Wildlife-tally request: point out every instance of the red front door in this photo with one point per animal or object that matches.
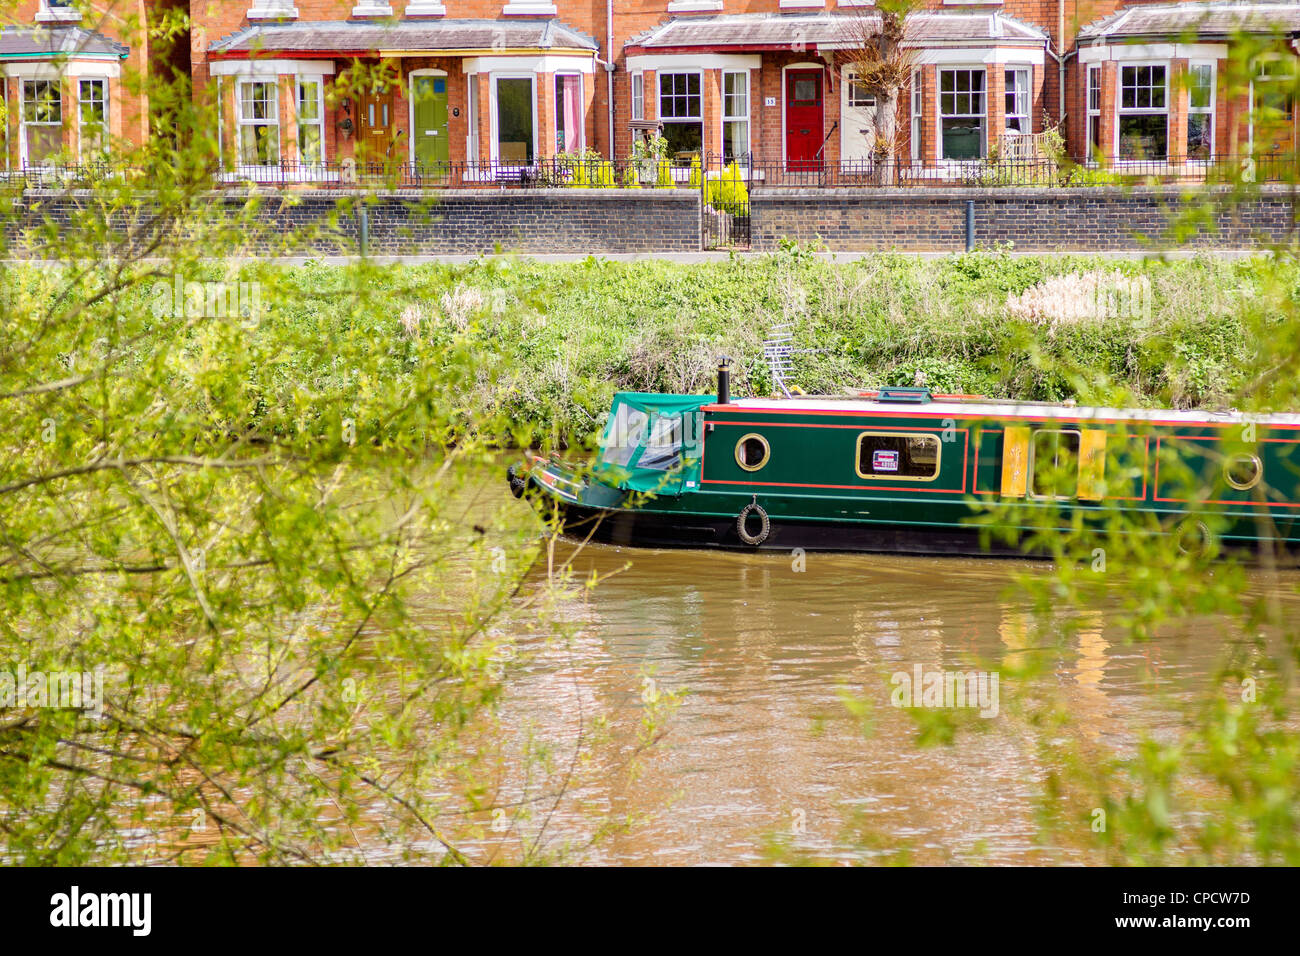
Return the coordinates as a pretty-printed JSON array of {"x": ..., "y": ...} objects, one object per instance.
[{"x": 803, "y": 118}]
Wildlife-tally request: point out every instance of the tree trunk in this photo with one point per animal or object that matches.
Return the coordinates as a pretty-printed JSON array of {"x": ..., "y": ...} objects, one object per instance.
[{"x": 885, "y": 171}]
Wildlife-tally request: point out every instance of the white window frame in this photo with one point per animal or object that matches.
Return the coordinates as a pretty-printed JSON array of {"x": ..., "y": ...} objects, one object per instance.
[
  {"x": 1091, "y": 111},
  {"x": 472, "y": 108},
  {"x": 735, "y": 117},
  {"x": 582, "y": 110},
  {"x": 494, "y": 146},
  {"x": 638, "y": 94},
  {"x": 940, "y": 116},
  {"x": 528, "y": 8},
  {"x": 106, "y": 125},
  {"x": 241, "y": 121},
  {"x": 680, "y": 120},
  {"x": 47, "y": 12},
  {"x": 272, "y": 10},
  {"x": 23, "y": 123},
  {"x": 1210, "y": 110},
  {"x": 319, "y": 122},
  {"x": 851, "y": 79},
  {"x": 1023, "y": 99},
  {"x": 918, "y": 113},
  {"x": 1121, "y": 111}
]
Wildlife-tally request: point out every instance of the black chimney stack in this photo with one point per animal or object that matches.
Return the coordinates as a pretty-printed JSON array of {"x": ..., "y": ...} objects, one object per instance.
[{"x": 724, "y": 380}]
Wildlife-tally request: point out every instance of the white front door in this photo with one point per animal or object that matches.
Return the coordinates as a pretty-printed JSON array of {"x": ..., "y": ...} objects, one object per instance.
[{"x": 857, "y": 134}]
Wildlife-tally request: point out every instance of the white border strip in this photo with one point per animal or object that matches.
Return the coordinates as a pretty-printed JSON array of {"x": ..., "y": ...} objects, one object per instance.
[
  {"x": 1154, "y": 51},
  {"x": 693, "y": 61},
  {"x": 322, "y": 67}
]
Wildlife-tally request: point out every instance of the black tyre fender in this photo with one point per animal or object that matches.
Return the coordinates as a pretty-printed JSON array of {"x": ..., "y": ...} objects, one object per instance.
[
  {"x": 517, "y": 481},
  {"x": 753, "y": 539},
  {"x": 1196, "y": 539}
]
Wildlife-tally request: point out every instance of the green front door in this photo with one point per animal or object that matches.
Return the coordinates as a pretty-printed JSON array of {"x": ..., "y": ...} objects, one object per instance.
[{"x": 430, "y": 133}]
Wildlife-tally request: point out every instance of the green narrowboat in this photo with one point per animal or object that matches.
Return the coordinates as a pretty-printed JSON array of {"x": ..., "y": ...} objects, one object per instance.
[{"x": 903, "y": 470}]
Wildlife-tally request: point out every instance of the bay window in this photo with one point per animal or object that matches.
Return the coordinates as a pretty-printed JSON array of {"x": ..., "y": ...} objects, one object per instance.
[
  {"x": 1016, "y": 109},
  {"x": 961, "y": 113},
  {"x": 471, "y": 138},
  {"x": 638, "y": 96},
  {"x": 258, "y": 119},
  {"x": 42, "y": 121},
  {"x": 92, "y": 116},
  {"x": 311, "y": 117},
  {"x": 735, "y": 116},
  {"x": 1143, "y": 112},
  {"x": 515, "y": 120},
  {"x": 1200, "y": 111},
  {"x": 1094, "y": 112},
  {"x": 568, "y": 113},
  {"x": 918, "y": 100},
  {"x": 680, "y": 111}
]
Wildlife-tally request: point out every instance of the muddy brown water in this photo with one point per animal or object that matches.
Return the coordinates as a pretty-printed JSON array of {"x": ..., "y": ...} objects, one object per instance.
[{"x": 761, "y": 749}]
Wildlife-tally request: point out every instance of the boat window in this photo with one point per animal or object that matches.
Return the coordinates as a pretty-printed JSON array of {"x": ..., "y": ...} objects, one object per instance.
[
  {"x": 663, "y": 445},
  {"x": 1054, "y": 463},
  {"x": 898, "y": 455},
  {"x": 752, "y": 452},
  {"x": 1243, "y": 472},
  {"x": 621, "y": 440}
]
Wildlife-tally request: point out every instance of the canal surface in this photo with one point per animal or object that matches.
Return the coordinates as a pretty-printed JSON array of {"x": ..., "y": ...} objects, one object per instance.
[{"x": 760, "y": 756}]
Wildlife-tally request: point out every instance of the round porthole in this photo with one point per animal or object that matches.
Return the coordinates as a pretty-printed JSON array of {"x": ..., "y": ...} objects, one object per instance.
[
  {"x": 752, "y": 452},
  {"x": 1243, "y": 472}
]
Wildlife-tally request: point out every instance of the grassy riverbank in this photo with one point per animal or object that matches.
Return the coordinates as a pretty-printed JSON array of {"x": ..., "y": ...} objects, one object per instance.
[
  {"x": 572, "y": 334},
  {"x": 552, "y": 342}
]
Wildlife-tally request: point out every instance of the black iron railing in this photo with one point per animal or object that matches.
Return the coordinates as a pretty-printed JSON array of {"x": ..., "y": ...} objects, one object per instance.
[
  {"x": 718, "y": 178},
  {"x": 758, "y": 171},
  {"x": 549, "y": 172}
]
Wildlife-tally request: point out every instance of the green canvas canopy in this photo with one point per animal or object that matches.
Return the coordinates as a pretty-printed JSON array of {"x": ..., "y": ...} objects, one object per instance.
[{"x": 653, "y": 443}]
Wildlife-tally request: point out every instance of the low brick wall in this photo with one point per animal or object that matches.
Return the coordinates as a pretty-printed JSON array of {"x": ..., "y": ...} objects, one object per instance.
[
  {"x": 453, "y": 222},
  {"x": 595, "y": 221},
  {"x": 1034, "y": 219},
  {"x": 650, "y": 221}
]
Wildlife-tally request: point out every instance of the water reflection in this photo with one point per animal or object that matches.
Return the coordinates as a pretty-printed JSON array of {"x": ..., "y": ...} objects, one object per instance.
[{"x": 762, "y": 744}]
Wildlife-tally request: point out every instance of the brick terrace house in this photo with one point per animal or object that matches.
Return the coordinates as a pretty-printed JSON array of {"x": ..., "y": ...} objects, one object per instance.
[
  {"x": 1126, "y": 82},
  {"x": 509, "y": 81},
  {"x": 470, "y": 80},
  {"x": 506, "y": 83},
  {"x": 69, "y": 71},
  {"x": 1154, "y": 82}
]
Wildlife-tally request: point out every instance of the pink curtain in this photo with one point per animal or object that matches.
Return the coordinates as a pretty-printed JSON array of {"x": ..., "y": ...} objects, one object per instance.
[{"x": 568, "y": 86}]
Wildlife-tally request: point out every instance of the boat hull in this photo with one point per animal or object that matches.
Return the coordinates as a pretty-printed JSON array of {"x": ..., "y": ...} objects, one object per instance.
[{"x": 660, "y": 530}]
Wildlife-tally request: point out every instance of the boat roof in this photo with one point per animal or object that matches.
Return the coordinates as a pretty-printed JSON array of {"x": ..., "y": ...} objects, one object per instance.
[{"x": 985, "y": 408}]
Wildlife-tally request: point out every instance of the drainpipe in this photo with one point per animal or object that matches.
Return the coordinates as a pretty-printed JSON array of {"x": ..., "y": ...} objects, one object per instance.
[
  {"x": 1060, "y": 61},
  {"x": 609, "y": 70}
]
